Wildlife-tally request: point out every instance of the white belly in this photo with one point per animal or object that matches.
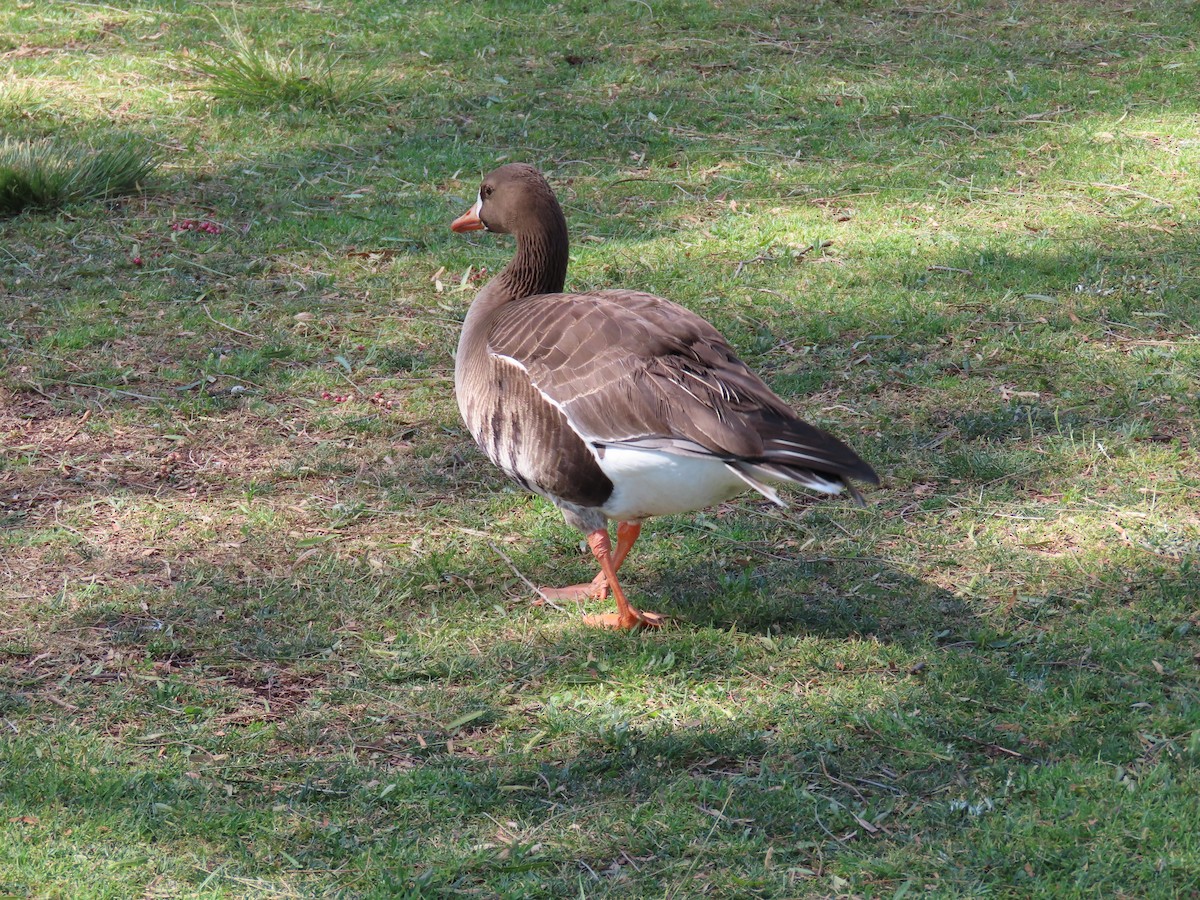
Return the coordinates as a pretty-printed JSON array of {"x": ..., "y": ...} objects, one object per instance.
[{"x": 657, "y": 483}]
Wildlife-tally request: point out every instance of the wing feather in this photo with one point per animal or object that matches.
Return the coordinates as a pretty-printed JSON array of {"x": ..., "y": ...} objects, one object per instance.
[{"x": 631, "y": 368}]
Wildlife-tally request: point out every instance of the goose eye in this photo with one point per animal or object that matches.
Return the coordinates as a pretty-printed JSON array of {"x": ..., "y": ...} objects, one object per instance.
[{"x": 485, "y": 191}]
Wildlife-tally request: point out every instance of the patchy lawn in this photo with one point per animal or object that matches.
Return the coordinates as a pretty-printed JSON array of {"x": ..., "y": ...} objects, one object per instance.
[{"x": 266, "y": 628}]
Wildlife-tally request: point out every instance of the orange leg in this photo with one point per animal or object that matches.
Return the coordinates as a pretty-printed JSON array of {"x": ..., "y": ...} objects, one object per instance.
[
  {"x": 627, "y": 534},
  {"x": 597, "y": 588},
  {"x": 627, "y": 615}
]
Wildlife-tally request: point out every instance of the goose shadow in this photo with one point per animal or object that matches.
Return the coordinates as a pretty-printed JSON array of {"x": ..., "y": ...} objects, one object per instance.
[{"x": 826, "y": 597}]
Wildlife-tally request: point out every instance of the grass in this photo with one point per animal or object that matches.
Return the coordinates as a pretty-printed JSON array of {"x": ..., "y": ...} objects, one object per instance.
[
  {"x": 43, "y": 175},
  {"x": 245, "y": 73},
  {"x": 257, "y": 641}
]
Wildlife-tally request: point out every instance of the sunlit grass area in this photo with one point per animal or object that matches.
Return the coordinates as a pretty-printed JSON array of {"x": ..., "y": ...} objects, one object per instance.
[
  {"x": 266, "y": 627},
  {"x": 240, "y": 71}
]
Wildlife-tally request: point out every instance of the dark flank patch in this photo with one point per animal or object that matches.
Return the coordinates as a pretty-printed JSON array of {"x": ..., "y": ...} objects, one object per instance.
[{"x": 533, "y": 443}]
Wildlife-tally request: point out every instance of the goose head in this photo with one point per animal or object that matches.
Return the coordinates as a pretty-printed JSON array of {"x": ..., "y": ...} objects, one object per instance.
[{"x": 514, "y": 199}]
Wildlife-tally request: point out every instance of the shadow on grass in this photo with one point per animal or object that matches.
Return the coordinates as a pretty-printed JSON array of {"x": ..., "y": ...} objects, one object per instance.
[
  {"x": 584, "y": 762},
  {"x": 863, "y": 706},
  {"x": 834, "y": 599}
]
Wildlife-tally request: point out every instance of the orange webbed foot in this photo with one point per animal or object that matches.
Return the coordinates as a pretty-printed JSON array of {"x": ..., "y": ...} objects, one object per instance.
[
  {"x": 617, "y": 622},
  {"x": 596, "y": 589}
]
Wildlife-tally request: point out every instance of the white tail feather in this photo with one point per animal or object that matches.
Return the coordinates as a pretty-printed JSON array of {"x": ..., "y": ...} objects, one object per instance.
[
  {"x": 805, "y": 478},
  {"x": 765, "y": 489}
]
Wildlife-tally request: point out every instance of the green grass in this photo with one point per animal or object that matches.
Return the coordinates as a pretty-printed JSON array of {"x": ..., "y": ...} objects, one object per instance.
[
  {"x": 259, "y": 642},
  {"x": 250, "y": 75},
  {"x": 44, "y": 175}
]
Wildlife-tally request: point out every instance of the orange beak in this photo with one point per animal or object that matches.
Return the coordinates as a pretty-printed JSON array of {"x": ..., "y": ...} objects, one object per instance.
[{"x": 468, "y": 221}]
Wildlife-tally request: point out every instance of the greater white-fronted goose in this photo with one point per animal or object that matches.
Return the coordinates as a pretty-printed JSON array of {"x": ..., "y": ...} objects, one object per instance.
[{"x": 616, "y": 405}]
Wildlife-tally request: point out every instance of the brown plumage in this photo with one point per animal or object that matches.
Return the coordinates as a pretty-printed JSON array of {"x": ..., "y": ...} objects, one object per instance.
[{"x": 616, "y": 404}]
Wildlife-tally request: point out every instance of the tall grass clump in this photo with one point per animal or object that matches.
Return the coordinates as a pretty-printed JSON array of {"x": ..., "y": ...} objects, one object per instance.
[
  {"x": 243, "y": 72},
  {"x": 47, "y": 174}
]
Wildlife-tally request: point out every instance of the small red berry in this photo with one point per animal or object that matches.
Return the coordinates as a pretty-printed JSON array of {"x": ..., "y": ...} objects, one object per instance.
[{"x": 137, "y": 260}]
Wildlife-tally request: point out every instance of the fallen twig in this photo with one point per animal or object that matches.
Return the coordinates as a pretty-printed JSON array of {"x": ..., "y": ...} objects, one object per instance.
[
  {"x": 533, "y": 587},
  {"x": 229, "y": 327}
]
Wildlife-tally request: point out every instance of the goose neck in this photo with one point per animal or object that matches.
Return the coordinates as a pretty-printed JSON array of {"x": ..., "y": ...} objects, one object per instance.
[{"x": 540, "y": 264}]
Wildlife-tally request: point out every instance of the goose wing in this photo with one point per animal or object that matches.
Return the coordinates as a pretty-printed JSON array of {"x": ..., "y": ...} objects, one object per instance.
[{"x": 634, "y": 369}]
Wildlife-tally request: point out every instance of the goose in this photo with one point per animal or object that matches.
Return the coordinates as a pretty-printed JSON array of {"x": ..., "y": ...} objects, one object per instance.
[{"x": 616, "y": 405}]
